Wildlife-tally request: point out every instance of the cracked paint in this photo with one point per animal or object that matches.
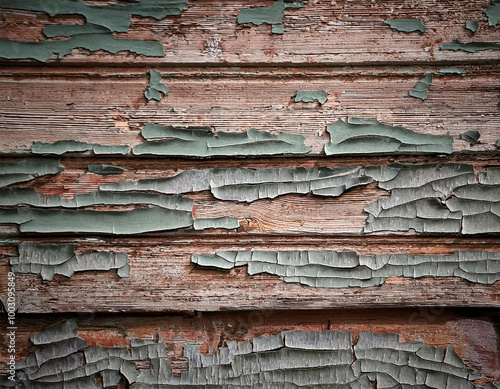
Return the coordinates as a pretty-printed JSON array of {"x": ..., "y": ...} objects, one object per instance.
[{"x": 287, "y": 359}]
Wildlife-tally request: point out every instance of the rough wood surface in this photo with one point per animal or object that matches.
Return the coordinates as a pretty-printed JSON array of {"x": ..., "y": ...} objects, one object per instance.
[
  {"x": 286, "y": 214},
  {"x": 317, "y": 33},
  {"x": 471, "y": 333},
  {"x": 236, "y": 77},
  {"x": 163, "y": 279},
  {"x": 109, "y": 107}
]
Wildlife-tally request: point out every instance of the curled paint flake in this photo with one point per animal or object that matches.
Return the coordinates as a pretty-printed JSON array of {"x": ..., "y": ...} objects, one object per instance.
[
  {"x": 470, "y": 136},
  {"x": 368, "y": 136},
  {"x": 421, "y": 90},
  {"x": 155, "y": 86}
]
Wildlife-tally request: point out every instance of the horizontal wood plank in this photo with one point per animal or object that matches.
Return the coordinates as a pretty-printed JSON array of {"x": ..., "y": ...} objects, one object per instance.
[
  {"x": 163, "y": 278},
  {"x": 471, "y": 333},
  {"x": 339, "y": 32},
  {"x": 111, "y": 109}
]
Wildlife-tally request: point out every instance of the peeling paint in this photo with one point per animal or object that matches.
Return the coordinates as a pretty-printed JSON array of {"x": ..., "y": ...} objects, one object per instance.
[
  {"x": 369, "y": 136},
  {"x": 67, "y": 30},
  {"x": 310, "y": 359},
  {"x": 27, "y": 170},
  {"x": 50, "y": 259},
  {"x": 226, "y": 222},
  {"x": 443, "y": 198},
  {"x": 420, "y": 195},
  {"x": 342, "y": 269},
  {"x": 96, "y": 34},
  {"x": 104, "y": 169},
  {"x": 204, "y": 142},
  {"x": 155, "y": 86},
  {"x": 272, "y": 14},
  {"x": 493, "y": 13},
  {"x": 29, "y": 196},
  {"x": 406, "y": 25},
  {"x": 135, "y": 221},
  {"x": 445, "y": 71},
  {"x": 470, "y": 47},
  {"x": 472, "y": 25},
  {"x": 470, "y": 136},
  {"x": 116, "y": 18},
  {"x": 44, "y": 50},
  {"x": 247, "y": 185},
  {"x": 309, "y": 96},
  {"x": 421, "y": 90},
  {"x": 69, "y": 146}
]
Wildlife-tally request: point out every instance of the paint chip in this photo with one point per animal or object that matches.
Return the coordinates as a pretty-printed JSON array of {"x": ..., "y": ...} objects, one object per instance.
[
  {"x": 470, "y": 136},
  {"x": 272, "y": 14},
  {"x": 470, "y": 47},
  {"x": 309, "y": 96},
  {"x": 104, "y": 169},
  {"x": 369, "y": 136},
  {"x": 155, "y": 86},
  {"x": 406, "y": 25},
  {"x": 472, "y": 25},
  {"x": 421, "y": 90}
]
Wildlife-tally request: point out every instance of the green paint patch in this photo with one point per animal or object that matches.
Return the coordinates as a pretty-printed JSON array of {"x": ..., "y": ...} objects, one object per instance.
[
  {"x": 470, "y": 47},
  {"x": 104, "y": 169},
  {"x": 44, "y": 50},
  {"x": 406, "y": 25},
  {"x": 248, "y": 185},
  {"x": 493, "y": 13},
  {"x": 89, "y": 221},
  {"x": 115, "y": 18},
  {"x": 225, "y": 222},
  {"x": 95, "y": 35},
  {"x": 155, "y": 86},
  {"x": 342, "y": 269},
  {"x": 472, "y": 25},
  {"x": 470, "y": 136},
  {"x": 368, "y": 136},
  {"x": 309, "y": 96},
  {"x": 67, "y": 30},
  {"x": 497, "y": 144},
  {"x": 204, "y": 142},
  {"x": 311, "y": 359},
  {"x": 443, "y": 198},
  {"x": 27, "y": 170},
  {"x": 50, "y": 259},
  {"x": 446, "y": 71},
  {"x": 421, "y": 90},
  {"x": 71, "y": 146},
  {"x": 272, "y": 14}
]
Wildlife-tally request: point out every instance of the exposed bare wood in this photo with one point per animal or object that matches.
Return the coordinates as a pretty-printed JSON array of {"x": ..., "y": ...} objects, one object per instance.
[
  {"x": 317, "y": 33},
  {"x": 163, "y": 279},
  {"x": 471, "y": 333},
  {"x": 112, "y": 110}
]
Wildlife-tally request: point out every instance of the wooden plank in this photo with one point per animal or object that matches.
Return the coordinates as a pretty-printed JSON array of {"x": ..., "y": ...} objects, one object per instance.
[
  {"x": 323, "y": 32},
  {"x": 163, "y": 278},
  {"x": 110, "y": 108},
  {"x": 471, "y": 333},
  {"x": 287, "y": 214}
]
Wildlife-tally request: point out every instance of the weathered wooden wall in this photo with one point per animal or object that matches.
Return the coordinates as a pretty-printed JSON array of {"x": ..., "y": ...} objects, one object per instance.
[{"x": 235, "y": 77}]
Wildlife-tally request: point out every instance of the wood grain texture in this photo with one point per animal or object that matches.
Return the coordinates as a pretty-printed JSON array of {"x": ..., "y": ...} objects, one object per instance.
[
  {"x": 294, "y": 214},
  {"x": 471, "y": 332},
  {"x": 326, "y": 32},
  {"x": 109, "y": 107},
  {"x": 163, "y": 279}
]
